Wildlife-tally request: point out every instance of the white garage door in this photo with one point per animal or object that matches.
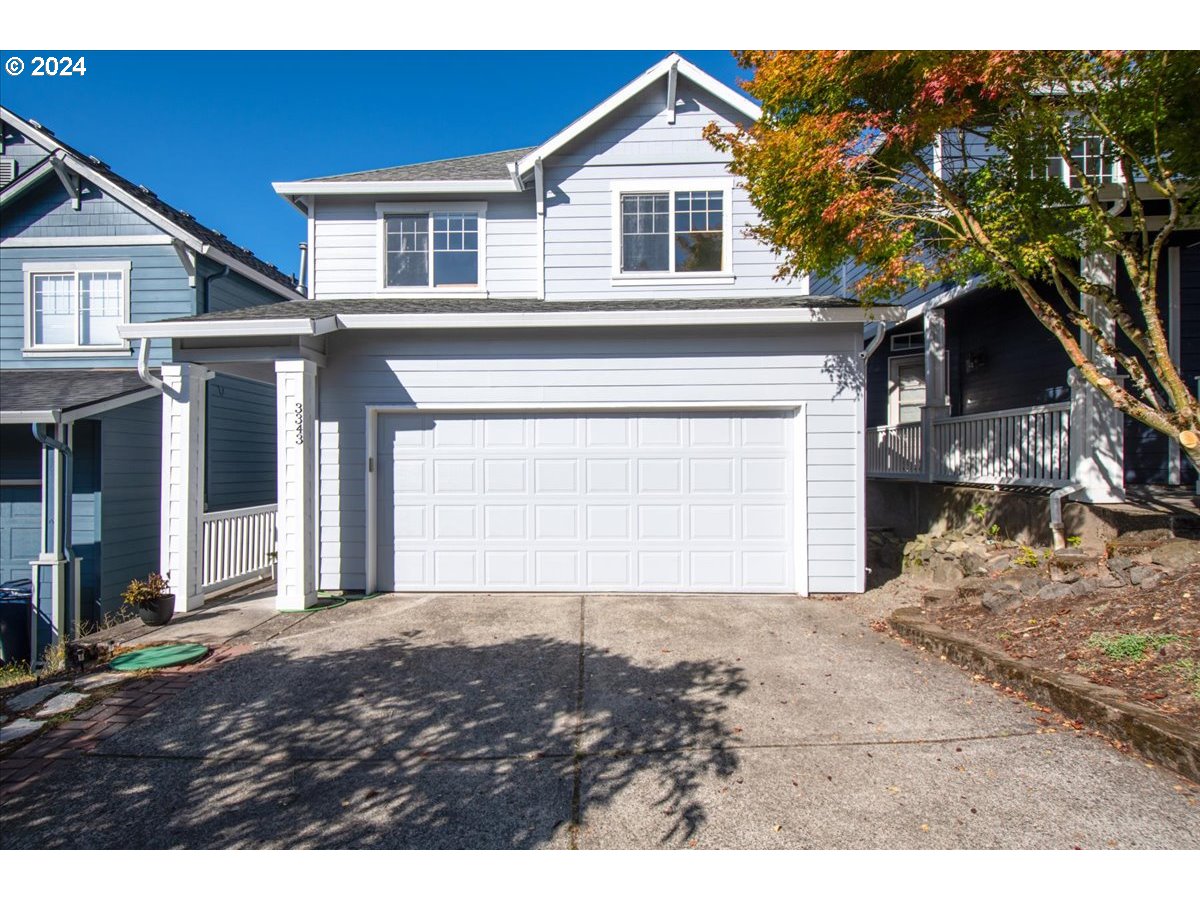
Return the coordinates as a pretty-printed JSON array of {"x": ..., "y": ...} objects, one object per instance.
[{"x": 592, "y": 502}]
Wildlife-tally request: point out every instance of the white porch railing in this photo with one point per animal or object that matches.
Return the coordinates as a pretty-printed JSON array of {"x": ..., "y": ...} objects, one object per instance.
[
  {"x": 1027, "y": 446},
  {"x": 894, "y": 450},
  {"x": 238, "y": 545}
]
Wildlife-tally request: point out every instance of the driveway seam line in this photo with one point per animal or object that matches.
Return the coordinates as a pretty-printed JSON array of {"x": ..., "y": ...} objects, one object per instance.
[
  {"x": 577, "y": 740},
  {"x": 579, "y": 755}
]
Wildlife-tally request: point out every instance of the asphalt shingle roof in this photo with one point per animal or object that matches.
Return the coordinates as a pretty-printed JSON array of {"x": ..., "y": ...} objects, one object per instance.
[
  {"x": 29, "y": 390},
  {"x": 481, "y": 167},
  {"x": 319, "y": 309},
  {"x": 180, "y": 218}
]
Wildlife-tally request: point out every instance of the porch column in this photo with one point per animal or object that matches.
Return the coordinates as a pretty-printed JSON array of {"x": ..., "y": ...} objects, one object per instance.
[
  {"x": 296, "y": 540},
  {"x": 183, "y": 482},
  {"x": 937, "y": 395},
  {"x": 1097, "y": 427},
  {"x": 50, "y": 575}
]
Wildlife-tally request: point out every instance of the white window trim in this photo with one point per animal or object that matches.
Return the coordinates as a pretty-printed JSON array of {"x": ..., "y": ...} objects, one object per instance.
[
  {"x": 905, "y": 342},
  {"x": 383, "y": 210},
  {"x": 30, "y": 270},
  {"x": 894, "y": 384},
  {"x": 669, "y": 186}
]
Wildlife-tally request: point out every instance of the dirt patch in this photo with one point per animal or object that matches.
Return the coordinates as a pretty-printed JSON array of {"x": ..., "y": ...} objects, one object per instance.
[{"x": 1143, "y": 643}]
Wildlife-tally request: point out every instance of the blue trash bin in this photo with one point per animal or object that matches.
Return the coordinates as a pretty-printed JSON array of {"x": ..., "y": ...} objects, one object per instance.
[{"x": 16, "y": 600}]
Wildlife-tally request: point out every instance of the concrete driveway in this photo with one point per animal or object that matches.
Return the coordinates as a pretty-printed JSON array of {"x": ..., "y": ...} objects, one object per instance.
[{"x": 601, "y": 721}]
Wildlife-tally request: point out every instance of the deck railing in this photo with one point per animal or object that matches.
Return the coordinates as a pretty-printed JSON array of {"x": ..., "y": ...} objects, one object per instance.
[
  {"x": 1027, "y": 446},
  {"x": 894, "y": 450},
  {"x": 238, "y": 546}
]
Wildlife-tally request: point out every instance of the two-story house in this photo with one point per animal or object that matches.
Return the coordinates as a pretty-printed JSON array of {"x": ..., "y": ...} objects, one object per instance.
[
  {"x": 83, "y": 251},
  {"x": 563, "y": 367}
]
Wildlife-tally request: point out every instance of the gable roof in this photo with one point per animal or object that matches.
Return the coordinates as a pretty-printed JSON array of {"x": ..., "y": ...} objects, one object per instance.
[
  {"x": 504, "y": 171},
  {"x": 177, "y": 223},
  {"x": 669, "y": 68},
  {"x": 480, "y": 167}
]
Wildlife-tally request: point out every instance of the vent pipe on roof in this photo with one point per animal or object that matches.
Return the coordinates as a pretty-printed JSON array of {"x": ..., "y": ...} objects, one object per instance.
[{"x": 300, "y": 282}]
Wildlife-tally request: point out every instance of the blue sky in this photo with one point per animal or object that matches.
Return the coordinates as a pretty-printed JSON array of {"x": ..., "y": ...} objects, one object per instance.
[{"x": 209, "y": 132}]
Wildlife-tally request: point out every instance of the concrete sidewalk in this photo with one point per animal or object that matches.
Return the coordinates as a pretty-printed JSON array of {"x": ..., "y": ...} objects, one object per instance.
[{"x": 602, "y": 721}]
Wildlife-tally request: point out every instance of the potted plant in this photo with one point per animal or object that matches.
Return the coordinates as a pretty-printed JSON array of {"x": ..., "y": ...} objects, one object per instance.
[{"x": 151, "y": 599}]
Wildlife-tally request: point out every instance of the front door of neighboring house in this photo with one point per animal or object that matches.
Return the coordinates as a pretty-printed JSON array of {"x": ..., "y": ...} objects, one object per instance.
[{"x": 906, "y": 389}]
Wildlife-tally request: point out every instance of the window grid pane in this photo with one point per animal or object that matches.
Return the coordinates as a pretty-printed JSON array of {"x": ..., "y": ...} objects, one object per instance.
[
  {"x": 645, "y": 232},
  {"x": 699, "y": 230},
  {"x": 407, "y": 251},
  {"x": 100, "y": 307},
  {"x": 54, "y": 310},
  {"x": 455, "y": 248}
]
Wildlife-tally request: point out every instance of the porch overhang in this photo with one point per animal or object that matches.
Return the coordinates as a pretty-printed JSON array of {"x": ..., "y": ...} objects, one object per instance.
[
  {"x": 316, "y": 318},
  {"x": 63, "y": 396}
]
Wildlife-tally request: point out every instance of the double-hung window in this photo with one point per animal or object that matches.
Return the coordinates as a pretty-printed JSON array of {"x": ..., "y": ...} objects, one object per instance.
[
  {"x": 680, "y": 230},
  {"x": 432, "y": 248},
  {"x": 75, "y": 307}
]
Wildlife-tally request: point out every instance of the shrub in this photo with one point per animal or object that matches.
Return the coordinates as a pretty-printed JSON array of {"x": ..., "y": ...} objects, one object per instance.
[{"x": 145, "y": 593}]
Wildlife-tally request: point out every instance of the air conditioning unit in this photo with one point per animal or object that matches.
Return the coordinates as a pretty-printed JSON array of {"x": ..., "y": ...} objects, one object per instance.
[{"x": 8, "y": 171}]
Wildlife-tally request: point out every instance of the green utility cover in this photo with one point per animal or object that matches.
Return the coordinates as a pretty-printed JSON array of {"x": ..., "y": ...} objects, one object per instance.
[{"x": 158, "y": 657}]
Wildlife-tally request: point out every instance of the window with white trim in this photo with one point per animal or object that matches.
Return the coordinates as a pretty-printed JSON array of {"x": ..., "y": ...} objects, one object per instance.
[
  {"x": 673, "y": 229},
  {"x": 438, "y": 247},
  {"x": 75, "y": 307}
]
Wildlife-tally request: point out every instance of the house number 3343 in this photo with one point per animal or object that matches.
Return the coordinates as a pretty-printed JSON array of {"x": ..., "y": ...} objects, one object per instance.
[{"x": 299, "y": 423}]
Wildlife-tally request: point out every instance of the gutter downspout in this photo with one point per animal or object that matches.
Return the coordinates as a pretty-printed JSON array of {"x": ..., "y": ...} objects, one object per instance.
[
  {"x": 876, "y": 340},
  {"x": 143, "y": 367},
  {"x": 204, "y": 287},
  {"x": 1057, "y": 528}
]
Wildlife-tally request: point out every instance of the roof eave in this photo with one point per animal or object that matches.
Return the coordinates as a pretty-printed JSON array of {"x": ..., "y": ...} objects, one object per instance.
[
  {"x": 220, "y": 328},
  {"x": 291, "y": 189}
]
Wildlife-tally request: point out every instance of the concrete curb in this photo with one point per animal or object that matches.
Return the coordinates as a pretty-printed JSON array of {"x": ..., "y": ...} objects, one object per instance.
[{"x": 1104, "y": 709}]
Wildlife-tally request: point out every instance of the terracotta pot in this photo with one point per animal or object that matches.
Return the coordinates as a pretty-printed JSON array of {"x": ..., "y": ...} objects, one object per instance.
[{"x": 159, "y": 612}]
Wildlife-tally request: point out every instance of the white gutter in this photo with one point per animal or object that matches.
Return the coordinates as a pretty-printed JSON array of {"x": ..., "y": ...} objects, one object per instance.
[
  {"x": 876, "y": 340},
  {"x": 229, "y": 328},
  {"x": 609, "y": 318},
  {"x": 346, "y": 188}
]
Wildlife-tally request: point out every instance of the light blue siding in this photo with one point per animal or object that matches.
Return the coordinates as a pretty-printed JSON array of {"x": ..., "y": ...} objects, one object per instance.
[
  {"x": 85, "y": 515},
  {"x": 48, "y": 211},
  {"x": 130, "y": 441},
  {"x": 241, "y": 443},
  {"x": 24, "y": 151},
  {"x": 158, "y": 290}
]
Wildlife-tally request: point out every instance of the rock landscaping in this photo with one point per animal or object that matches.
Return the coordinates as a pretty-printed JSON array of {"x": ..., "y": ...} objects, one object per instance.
[{"x": 1126, "y": 617}]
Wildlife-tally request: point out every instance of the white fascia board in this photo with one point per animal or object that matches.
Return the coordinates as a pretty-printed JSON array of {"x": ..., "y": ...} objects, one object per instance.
[
  {"x": 26, "y": 181},
  {"x": 616, "y": 318},
  {"x": 661, "y": 69},
  {"x": 174, "y": 230},
  {"x": 101, "y": 406},
  {"x": 405, "y": 188},
  {"x": 228, "y": 328},
  {"x": 27, "y": 417}
]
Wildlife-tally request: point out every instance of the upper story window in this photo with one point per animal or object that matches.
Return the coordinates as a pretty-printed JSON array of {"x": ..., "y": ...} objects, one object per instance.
[
  {"x": 680, "y": 229},
  {"x": 75, "y": 307},
  {"x": 1092, "y": 156},
  {"x": 437, "y": 247}
]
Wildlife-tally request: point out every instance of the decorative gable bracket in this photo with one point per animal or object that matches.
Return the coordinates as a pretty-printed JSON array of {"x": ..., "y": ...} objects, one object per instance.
[{"x": 69, "y": 179}]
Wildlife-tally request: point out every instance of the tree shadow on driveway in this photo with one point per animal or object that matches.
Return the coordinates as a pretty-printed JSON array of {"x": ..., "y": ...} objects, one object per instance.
[{"x": 403, "y": 742}]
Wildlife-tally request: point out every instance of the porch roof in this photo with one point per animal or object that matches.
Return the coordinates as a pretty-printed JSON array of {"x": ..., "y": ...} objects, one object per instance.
[
  {"x": 315, "y": 317},
  {"x": 64, "y": 395}
]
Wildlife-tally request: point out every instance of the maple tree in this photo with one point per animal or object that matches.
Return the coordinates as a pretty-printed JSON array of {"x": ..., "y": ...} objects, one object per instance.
[{"x": 1015, "y": 167}]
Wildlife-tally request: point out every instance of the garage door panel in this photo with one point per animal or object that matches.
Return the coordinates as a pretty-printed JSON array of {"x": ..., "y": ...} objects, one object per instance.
[{"x": 663, "y": 501}]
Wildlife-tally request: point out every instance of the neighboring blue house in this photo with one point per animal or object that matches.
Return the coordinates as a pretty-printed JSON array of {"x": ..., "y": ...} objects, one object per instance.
[{"x": 82, "y": 251}]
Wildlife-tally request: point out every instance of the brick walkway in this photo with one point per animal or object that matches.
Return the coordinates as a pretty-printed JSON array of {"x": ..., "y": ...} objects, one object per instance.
[{"x": 82, "y": 733}]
